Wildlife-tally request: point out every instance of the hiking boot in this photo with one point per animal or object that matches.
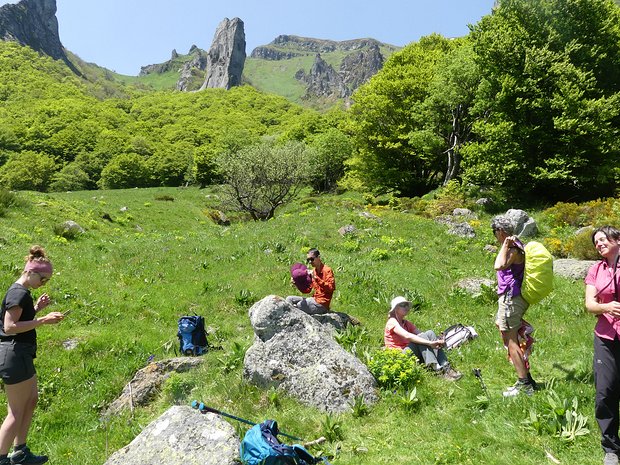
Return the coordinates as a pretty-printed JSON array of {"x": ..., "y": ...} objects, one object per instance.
[
  {"x": 25, "y": 457},
  {"x": 451, "y": 374},
  {"x": 533, "y": 382},
  {"x": 610, "y": 459},
  {"x": 5, "y": 461},
  {"x": 518, "y": 388}
]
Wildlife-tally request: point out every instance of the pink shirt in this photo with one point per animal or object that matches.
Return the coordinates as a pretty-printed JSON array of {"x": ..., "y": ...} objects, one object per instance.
[
  {"x": 393, "y": 340},
  {"x": 600, "y": 276}
]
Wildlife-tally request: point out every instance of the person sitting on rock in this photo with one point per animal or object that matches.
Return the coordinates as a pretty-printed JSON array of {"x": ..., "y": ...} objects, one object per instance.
[
  {"x": 320, "y": 279},
  {"x": 427, "y": 347}
]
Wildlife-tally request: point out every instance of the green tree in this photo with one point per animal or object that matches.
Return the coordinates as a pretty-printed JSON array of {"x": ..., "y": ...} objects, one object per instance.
[
  {"x": 70, "y": 178},
  {"x": 394, "y": 149},
  {"x": 123, "y": 171},
  {"x": 27, "y": 171},
  {"x": 548, "y": 104},
  {"x": 331, "y": 149},
  {"x": 260, "y": 178}
]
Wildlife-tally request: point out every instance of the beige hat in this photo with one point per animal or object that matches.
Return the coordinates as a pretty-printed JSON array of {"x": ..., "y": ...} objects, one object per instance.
[{"x": 396, "y": 301}]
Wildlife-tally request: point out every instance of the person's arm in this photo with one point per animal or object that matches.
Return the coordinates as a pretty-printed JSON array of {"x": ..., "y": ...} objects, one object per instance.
[
  {"x": 402, "y": 332},
  {"x": 328, "y": 282},
  {"x": 507, "y": 255},
  {"x": 596, "y": 308},
  {"x": 12, "y": 325}
]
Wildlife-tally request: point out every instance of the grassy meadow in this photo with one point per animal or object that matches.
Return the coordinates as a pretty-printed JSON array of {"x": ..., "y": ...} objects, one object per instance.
[{"x": 128, "y": 280}]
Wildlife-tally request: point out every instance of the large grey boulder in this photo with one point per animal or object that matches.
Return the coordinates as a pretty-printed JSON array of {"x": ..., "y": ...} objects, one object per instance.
[
  {"x": 571, "y": 268},
  {"x": 297, "y": 354},
  {"x": 182, "y": 436},
  {"x": 525, "y": 226},
  {"x": 226, "y": 57}
]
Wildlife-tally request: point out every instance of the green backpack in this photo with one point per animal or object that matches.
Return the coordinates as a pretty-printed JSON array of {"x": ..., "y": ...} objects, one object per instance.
[{"x": 538, "y": 278}]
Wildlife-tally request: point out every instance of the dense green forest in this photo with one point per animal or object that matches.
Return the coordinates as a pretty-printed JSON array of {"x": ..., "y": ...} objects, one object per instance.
[{"x": 526, "y": 103}]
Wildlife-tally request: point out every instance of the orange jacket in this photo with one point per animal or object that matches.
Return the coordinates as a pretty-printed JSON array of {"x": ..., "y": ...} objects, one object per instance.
[{"x": 324, "y": 285}]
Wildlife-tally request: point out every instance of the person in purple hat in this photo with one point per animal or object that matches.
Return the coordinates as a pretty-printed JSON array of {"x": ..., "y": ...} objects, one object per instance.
[
  {"x": 18, "y": 345},
  {"x": 320, "y": 279}
]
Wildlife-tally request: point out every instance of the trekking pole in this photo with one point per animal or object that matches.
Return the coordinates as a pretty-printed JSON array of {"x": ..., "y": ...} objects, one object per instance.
[
  {"x": 205, "y": 408},
  {"x": 478, "y": 375}
]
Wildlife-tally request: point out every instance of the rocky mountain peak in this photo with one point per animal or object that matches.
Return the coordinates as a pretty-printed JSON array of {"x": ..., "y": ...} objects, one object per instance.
[
  {"x": 33, "y": 23},
  {"x": 226, "y": 57}
]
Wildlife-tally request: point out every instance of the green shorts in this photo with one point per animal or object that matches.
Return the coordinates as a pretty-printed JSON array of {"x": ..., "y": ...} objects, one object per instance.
[
  {"x": 16, "y": 361},
  {"x": 510, "y": 312}
]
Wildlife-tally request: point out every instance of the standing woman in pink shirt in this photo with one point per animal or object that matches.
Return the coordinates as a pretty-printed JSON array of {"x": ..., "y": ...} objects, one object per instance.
[{"x": 602, "y": 300}]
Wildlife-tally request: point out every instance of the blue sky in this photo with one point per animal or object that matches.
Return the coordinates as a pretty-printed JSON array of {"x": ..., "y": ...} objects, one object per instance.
[{"x": 123, "y": 35}]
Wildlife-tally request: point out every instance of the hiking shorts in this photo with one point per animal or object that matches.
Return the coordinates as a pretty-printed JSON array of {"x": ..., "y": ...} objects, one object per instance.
[
  {"x": 510, "y": 312},
  {"x": 16, "y": 361}
]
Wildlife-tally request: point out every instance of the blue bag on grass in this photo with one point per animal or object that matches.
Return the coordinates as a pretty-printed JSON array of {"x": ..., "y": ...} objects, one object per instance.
[
  {"x": 260, "y": 446},
  {"x": 192, "y": 335}
]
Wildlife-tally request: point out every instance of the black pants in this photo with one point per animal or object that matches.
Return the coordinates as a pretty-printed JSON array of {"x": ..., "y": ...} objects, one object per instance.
[{"x": 607, "y": 383}]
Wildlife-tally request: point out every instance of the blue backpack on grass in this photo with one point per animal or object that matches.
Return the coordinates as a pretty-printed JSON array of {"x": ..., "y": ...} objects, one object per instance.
[
  {"x": 192, "y": 335},
  {"x": 260, "y": 446}
]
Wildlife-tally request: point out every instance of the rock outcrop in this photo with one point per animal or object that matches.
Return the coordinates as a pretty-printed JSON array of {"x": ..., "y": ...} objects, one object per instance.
[
  {"x": 298, "y": 355},
  {"x": 226, "y": 57},
  {"x": 571, "y": 268},
  {"x": 182, "y": 436},
  {"x": 323, "y": 80},
  {"x": 33, "y": 23},
  {"x": 192, "y": 71},
  {"x": 359, "y": 67},
  {"x": 147, "y": 382}
]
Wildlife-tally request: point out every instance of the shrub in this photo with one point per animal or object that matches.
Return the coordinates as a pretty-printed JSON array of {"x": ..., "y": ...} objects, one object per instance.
[
  {"x": 580, "y": 246},
  {"x": 393, "y": 368},
  {"x": 28, "y": 171},
  {"x": 260, "y": 178},
  {"x": 379, "y": 254},
  {"x": 577, "y": 215},
  {"x": 449, "y": 197}
]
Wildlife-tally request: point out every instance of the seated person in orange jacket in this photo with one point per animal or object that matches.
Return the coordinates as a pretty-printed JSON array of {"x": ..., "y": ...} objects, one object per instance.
[{"x": 323, "y": 284}]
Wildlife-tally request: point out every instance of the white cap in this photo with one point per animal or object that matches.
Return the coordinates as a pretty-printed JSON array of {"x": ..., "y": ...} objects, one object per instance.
[{"x": 396, "y": 301}]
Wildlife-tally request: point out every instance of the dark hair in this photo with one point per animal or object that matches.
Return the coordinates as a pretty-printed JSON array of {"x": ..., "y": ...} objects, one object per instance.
[
  {"x": 609, "y": 231},
  {"x": 314, "y": 252}
]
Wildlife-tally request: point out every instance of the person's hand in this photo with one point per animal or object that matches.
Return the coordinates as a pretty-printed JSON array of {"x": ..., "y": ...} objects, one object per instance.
[
  {"x": 510, "y": 241},
  {"x": 52, "y": 318},
  {"x": 42, "y": 302},
  {"x": 438, "y": 344},
  {"x": 311, "y": 273},
  {"x": 613, "y": 309},
  {"x": 292, "y": 282}
]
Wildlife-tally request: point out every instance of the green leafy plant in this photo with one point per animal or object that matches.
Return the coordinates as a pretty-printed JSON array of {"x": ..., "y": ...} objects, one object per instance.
[
  {"x": 233, "y": 358},
  {"x": 245, "y": 297},
  {"x": 349, "y": 337},
  {"x": 410, "y": 400},
  {"x": 331, "y": 427},
  {"x": 558, "y": 417},
  {"x": 393, "y": 368},
  {"x": 359, "y": 407}
]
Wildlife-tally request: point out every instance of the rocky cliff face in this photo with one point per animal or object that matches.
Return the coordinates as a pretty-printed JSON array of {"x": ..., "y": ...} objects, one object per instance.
[
  {"x": 226, "y": 57},
  {"x": 33, "y": 23},
  {"x": 192, "y": 72},
  {"x": 362, "y": 60},
  {"x": 323, "y": 80}
]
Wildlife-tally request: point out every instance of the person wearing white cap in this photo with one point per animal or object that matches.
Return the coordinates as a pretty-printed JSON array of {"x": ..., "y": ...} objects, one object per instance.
[{"x": 402, "y": 334}]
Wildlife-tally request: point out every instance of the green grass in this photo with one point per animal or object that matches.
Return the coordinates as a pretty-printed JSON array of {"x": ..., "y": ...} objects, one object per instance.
[{"x": 128, "y": 281}]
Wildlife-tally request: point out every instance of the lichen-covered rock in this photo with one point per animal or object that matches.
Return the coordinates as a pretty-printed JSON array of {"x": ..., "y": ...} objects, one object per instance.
[
  {"x": 182, "y": 436},
  {"x": 297, "y": 354},
  {"x": 571, "y": 268}
]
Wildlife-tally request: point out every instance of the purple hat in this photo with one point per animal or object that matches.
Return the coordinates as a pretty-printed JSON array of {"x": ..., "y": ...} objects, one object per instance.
[{"x": 300, "y": 276}]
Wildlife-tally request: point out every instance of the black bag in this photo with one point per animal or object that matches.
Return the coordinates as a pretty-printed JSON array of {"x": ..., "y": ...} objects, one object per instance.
[
  {"x": 457, "y": 335},
  {"x": 192, "y": 335}
]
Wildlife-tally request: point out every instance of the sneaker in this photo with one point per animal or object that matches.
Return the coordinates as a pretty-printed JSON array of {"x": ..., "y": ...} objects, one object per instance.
[
  {"x": 518, "y": 388},
  {"x": 451, "y": 374},
  {"x": 610, "y": 459},
  {"x": 5, "y": 461},
  {"x": 533, "y": 382},
  {"x": 25, "y": 457}
]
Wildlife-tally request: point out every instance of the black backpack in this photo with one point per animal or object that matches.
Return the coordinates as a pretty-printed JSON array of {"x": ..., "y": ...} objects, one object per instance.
[{"x": 192, "y": 335}]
